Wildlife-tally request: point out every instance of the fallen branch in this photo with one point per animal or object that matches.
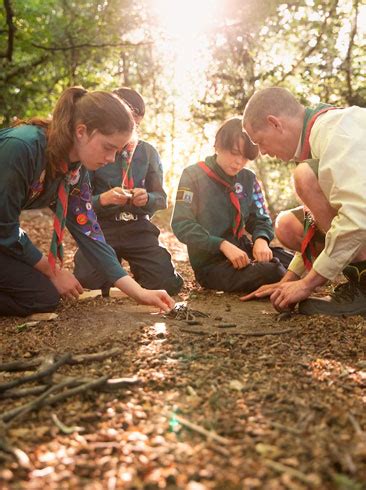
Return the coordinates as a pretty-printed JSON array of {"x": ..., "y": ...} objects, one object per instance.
[
  {"x": 36, "y": 376},
  {"x": 9, "y": 416},
  {"x": 74, "y": 359},
  {"x": 35, "y": 390}
]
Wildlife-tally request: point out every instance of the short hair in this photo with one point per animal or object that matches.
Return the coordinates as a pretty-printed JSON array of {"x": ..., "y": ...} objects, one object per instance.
[
  {"x": 133, "y": 99},
  {"x": 229, "y": 135},
  {"x": 273, "y": 101}
]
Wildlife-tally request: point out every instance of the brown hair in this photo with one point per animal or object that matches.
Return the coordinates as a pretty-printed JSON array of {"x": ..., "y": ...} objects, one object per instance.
[
  {"x": 230, "y": 134},
  {"x": 98, "y": 110},
  {"x": 133, "y": 99},
  {"x": 275, "y": 101}
]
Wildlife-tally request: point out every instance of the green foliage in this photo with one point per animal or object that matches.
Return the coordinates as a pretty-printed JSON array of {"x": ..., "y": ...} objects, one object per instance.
[
  {"x": 312, "y": 47},
  {"x": 60, "y": 43}
]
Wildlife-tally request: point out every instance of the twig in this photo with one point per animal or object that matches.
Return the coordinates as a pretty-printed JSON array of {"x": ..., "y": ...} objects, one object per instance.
[
  {"x": 74, "y": 359},
  {"x": 97, "y": 356},
  {"x": 35, "y": 390},
  {"x": 64, "y": 428},
  {"x": 225, "y": 325},
  {"x": 9, "y": 416},
  {"x": 355, "y": 424},
  {"x": 197, "y": 428},
  {"x": 75, "y": 391},
  {"x": 281, "y": 468},
  {"x": 38, "y": 375},
  {"x": 21, "y": 365},
  {"x": 190, "y": 330},
  {"x": 284, "y": 428},
  {"x": 259, "y": 333}
]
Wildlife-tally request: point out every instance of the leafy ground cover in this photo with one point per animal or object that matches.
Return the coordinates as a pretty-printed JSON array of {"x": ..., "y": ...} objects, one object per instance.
[{"x": 238, "y": 399}]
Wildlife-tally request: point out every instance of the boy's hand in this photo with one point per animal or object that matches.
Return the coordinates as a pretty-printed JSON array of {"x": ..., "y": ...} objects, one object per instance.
[
  {"x": 261, "y": 251},
  {"x": 115, "y": 196},
  {"x": 140, "y": 197},
  {"x": 237, "y": 257}
]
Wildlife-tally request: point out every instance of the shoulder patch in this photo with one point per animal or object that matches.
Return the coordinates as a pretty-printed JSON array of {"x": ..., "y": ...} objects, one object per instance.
[{"x": 184, "y": 195}]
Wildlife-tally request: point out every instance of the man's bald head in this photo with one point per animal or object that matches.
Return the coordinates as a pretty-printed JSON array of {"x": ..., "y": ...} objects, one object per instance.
[{"x": 275, "y": 101}]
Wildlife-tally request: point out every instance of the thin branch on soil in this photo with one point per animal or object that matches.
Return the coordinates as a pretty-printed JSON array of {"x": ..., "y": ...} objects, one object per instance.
[
  {"x": 281, "y": 468},
  {"x": 355, "y": 424},
  {"x": 197, "y": 428},
  {"x": 284, "y": 428},
  {"x": 64, "y": 428},
  {"x": 259, "y": 333}
]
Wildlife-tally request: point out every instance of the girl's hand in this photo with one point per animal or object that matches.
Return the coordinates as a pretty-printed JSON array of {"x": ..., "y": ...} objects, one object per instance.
[
  {"x": 153, "y": 297},
  {"x": 237, "y": 257},
  {"x": 159, "y": 298},
  {"x": 66, "y": 284},
  {"x": 261, "y": 251}
]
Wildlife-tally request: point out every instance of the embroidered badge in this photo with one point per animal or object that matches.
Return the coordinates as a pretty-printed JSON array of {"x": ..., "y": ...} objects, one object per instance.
[
  {"x": 185, "y": 195},
  {"x": 238, "y": 188},
  {"x": 259, "y": 198},
  {"x": 82, "y": 219}
]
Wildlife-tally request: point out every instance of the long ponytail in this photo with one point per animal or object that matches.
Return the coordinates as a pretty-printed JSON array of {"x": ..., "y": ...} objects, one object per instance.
[
  {"x": 60, "y": 130},
  {"x": 99, "y": 110}
]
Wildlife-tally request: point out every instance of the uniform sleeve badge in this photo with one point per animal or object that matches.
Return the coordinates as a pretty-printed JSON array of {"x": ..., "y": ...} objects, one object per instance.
[{"x": 185, "y": 195}]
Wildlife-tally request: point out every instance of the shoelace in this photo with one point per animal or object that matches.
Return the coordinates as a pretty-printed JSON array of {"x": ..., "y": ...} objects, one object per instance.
[{"x": 344, "y": 291}]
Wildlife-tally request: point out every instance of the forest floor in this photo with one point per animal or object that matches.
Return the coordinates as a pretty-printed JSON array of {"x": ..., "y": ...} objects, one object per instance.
[{"x": 270, "y": 403}]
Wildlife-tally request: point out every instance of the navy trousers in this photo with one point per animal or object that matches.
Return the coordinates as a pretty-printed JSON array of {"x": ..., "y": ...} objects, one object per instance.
[
  {"x": 138, "y": 243},
  {"x": 221, "y": 275},
  {"x": 23, "y": 289}
]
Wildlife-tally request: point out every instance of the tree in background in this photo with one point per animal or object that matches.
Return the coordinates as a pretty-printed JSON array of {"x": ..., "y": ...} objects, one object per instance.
[{"x": 312, "y": 47}]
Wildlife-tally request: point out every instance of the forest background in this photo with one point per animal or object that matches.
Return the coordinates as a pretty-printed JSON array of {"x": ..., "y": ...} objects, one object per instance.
[{"x": 196, "y": 62}]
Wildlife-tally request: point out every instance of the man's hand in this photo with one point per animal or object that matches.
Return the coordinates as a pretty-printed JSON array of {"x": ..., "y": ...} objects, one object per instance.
[
  {"x": 237, "y": 257},
  {"x": 268, "y": 289},
  {"x": 262, "y": 292},
  {"x": 140, "y": 197},
  {"x": 116, "y": 195},
  {"x": 288, "y": 294},
  {"x": 261, "y": 251}
]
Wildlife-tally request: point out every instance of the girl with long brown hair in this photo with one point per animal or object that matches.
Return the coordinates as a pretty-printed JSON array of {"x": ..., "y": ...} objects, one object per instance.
[{"x": 44, "y": 163}]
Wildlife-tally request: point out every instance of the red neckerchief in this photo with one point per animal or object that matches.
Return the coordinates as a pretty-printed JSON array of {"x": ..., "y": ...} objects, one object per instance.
[
  {"x": 308, "y": 251},
  {"x": 127, "y": 155},
  {"x": 238, "y": 225}
]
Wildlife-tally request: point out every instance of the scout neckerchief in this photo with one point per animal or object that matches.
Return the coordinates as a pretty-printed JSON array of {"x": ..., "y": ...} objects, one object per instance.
[
  {"x": 308, "y": 251},
  {"x": 238, "y": 224},
  {"x": 127, "y": 154},
  {"x": 56, "y": 247}
]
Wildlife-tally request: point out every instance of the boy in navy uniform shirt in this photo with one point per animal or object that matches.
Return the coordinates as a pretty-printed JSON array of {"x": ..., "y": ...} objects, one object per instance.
[{"x": 126, "y": 194}]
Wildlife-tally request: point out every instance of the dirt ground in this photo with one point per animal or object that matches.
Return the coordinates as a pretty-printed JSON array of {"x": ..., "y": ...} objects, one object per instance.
[{"x": 238, "y": 399}]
